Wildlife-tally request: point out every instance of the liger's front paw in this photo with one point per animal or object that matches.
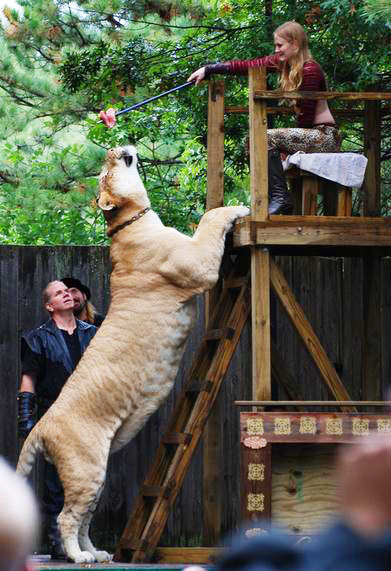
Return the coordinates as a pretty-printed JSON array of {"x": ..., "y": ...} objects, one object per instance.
[{"x": 243, "y": 211}]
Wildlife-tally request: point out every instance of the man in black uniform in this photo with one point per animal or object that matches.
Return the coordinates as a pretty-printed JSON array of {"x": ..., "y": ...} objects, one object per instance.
[{"x": 50, "y": 353}]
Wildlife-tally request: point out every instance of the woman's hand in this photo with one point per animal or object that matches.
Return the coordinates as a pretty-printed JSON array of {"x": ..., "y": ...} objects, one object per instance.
[{"x": 197, "y": 76}]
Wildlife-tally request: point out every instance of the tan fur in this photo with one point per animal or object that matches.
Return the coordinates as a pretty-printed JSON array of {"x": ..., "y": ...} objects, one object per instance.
[{"x": 130, "y": 365}]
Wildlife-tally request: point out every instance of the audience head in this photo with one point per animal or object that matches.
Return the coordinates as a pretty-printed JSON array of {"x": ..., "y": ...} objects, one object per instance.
[
  {"x": 18, "y": 520},
  {"x": 80, "y": 293}
]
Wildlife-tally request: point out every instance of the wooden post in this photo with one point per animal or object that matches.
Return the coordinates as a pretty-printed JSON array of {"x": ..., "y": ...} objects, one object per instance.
[
  {"x": 372, "y": 151},
  {"x": 258, "y": 146},
  {"x": 260, "y": 258},
  {"x": 372, "y": 357},
  {"x": 212, "y": 450},
  {"x": 215, "y": 142},
  {"x": 372, "y": 347}
]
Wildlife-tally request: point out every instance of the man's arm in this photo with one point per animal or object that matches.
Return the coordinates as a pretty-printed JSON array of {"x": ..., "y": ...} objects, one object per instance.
[
  {"x": 28, "y": 383},
  {"x": 26, "y": 404}
]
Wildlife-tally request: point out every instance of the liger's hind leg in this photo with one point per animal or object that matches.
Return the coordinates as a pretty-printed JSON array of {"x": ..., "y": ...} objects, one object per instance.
[
  {"x": 84, "y": 538},
  {"x": 80, "y": 499}
]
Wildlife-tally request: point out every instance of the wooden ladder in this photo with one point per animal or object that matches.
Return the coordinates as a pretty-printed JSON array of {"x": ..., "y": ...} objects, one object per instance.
[{"x": 163, "y": 482}]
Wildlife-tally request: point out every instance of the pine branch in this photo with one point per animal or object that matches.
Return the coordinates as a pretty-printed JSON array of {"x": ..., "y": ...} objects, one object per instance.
[
  {"x": 6, "y": 178},
  {"x": 193, "y": 26},
  {"x": 18, "y": 98}
]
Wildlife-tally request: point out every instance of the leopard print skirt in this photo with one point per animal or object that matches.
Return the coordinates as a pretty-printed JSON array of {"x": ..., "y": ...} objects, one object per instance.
[{"x": 319, "y": 139}]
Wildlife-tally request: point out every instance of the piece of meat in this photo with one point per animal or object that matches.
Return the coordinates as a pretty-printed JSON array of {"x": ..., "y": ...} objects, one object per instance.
[{"x": 108, "y": 117}]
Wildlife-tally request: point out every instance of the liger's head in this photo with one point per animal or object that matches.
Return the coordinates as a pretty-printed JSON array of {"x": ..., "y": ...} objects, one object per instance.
[{"x": 119, "y": 182}]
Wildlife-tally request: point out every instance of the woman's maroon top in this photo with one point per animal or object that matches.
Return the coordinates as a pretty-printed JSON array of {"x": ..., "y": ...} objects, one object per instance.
[{"x": 313, "y": 80}]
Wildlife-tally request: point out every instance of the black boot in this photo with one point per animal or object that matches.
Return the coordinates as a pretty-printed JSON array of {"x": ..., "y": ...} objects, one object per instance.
[
  {"x": 279, "y": 198},
  {"x": 26, "y": 413}
]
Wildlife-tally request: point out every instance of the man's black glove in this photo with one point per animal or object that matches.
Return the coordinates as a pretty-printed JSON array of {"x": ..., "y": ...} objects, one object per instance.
[{"x": 26, "y": 413}]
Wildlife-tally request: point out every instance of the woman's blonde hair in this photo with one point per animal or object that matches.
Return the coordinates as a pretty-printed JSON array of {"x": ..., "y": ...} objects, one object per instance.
[
  {"x": 291, "y": 74},
  {"x": 91, "y": 311}
]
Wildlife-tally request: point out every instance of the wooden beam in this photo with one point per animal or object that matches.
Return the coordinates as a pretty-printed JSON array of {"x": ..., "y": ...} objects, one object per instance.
[
  {"x": 212, "y": 449},
  {"x": 215, "y": 145},
  {"x": 263, "y": 403},
  {"x": 260, "y": 279},
  {"x": 307, "y": 334},
  {"x": 344, "y": 95},
  {"x": 371, "y": 186},
  {"x": 260, "y": 323},
  {"x": 187, "y": 555},
  {"x": 314, "y": 231},
  {"x": 289, "y": 111},
  {"x": 258, "y": 147},
  {"x": 311, "y": 187},
  {"x": 371, "y": 382}
]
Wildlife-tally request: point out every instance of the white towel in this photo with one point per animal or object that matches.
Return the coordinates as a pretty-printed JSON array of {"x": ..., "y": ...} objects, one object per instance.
[{"x": 347, "y": 169}]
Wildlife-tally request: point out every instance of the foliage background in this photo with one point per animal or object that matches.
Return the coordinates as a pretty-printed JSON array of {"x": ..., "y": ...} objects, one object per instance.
[{"x": 62, "y": 61}]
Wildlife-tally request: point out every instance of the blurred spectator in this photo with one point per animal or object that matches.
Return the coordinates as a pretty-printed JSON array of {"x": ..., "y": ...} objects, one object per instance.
[
  {"x": 84, "y": 309},
  {"x": 359, "y": 541},
  {"x": 18, "y": 520}
]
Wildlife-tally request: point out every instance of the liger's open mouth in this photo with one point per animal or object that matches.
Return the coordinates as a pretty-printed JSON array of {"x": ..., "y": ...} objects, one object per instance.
[{"x": 128, "y": 159}]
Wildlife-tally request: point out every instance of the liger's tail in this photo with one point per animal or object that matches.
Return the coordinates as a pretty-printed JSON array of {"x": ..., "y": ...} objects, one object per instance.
[{"x": 31, "y": 447}]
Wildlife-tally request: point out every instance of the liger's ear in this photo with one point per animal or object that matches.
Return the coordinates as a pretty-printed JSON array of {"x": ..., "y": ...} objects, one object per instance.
[{"x": 105, "y": 202}]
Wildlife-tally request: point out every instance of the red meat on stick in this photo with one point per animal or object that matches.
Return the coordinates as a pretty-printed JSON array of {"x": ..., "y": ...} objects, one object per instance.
[{"x": 108, "y": 117}]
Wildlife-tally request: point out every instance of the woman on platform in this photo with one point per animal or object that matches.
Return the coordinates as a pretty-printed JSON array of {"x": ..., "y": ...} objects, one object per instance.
[{"x": 316, "y": 130}]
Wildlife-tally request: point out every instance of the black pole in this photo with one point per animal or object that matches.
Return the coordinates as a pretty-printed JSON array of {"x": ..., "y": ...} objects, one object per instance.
[{"x": 137, "y": 105}]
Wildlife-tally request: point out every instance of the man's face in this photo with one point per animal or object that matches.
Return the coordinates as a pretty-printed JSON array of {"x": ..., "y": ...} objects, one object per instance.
[
  {"x": 60, "y": 298},
  {"x": 79, "y": 299}
]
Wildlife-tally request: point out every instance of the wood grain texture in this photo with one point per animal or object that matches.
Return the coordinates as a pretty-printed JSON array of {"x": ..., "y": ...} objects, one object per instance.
[
  {"x": 310, "y": 192},
  {"x": 260, "y": 320},
  {"x": 212, "y": 449},
  {"x": 329, "y": 95},
  {"x": 215, "y": 145},
  {"x": 258, "y": 146},
  {"x": 372, "y": 137},
  {"x": 187, "y": 555},
  {"x": 343, "y": 113},
  {"x": 303, "y": 489},
  {"x": 307, "y": 334},
  {"x": 9, "y": 351},
  {"x": 313, "y": 231}
]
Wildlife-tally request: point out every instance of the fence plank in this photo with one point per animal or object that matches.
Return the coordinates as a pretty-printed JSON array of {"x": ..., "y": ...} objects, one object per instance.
[{"x": 9, "y": 352}]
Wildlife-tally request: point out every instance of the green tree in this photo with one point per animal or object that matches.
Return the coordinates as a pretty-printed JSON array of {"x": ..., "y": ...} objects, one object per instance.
[{"x": 62, "y": 61}]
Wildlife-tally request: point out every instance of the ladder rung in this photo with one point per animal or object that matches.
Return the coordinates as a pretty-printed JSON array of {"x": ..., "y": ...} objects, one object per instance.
[
  {"x": 177, "y": 438},
  {"x": 196, "y": 386},
  {"x": 215, "y": 334}
]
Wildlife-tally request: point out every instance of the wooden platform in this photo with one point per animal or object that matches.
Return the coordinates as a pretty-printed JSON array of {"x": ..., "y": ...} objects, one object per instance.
[{"x": 337, "y": 231}]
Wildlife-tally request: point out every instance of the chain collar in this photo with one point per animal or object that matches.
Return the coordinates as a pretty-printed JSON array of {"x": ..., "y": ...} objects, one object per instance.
[{"x": 111, "y": 233}]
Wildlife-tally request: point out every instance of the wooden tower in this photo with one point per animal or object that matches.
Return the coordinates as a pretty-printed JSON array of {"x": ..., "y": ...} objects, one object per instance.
[{"x": 246, "y": 287}]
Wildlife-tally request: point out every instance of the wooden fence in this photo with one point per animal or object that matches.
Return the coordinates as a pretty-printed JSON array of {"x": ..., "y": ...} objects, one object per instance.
[{"x": 332, "y": 294}]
